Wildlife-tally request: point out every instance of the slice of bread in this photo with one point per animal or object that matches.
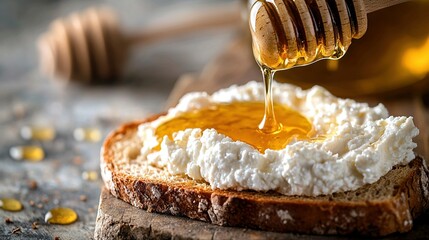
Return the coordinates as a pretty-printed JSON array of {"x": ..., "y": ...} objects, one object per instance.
[{"x": 385, "y": 207}]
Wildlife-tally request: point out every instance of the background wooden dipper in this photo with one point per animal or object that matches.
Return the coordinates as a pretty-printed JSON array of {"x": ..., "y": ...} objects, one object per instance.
[{"x": 90, "y": 46}]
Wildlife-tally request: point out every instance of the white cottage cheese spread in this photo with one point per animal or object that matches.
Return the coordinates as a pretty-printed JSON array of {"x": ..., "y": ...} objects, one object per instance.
[{"x": 362, "y": 144}]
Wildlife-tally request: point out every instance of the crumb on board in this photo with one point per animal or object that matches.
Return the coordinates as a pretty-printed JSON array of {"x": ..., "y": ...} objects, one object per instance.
[
  {"x": 35, "y": 225},
  {"x": 32, "y": 184},
  {"x": 83, "y": 198},
  {"x": 16, "y": 230},
  {"x": 77, "y": 160}
]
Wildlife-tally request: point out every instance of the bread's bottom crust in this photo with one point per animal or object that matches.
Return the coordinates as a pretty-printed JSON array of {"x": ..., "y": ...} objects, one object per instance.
[{"x": 306, "y": 215}]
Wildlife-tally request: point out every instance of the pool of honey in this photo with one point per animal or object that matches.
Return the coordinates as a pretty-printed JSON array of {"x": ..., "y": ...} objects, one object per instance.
[{"x": 240, "y": 121}]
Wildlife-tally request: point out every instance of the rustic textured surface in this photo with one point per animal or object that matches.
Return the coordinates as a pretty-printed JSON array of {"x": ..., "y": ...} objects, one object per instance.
[
  {"x": 27, "y": 98},
  {"x": 119, "y": 220}
]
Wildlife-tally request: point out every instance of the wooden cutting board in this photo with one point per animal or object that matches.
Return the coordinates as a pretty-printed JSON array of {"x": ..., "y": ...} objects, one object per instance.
[{"x": 119, "y": 220}]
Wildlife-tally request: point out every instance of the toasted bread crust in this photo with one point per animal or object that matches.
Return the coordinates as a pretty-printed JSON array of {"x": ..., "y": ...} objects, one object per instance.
[{"x": 270, "y": 211}]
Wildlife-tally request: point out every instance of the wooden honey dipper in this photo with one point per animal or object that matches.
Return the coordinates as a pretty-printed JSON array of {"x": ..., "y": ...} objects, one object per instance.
[
  {"x": 89, "y": 47},
  {"x": 288, "y": 33}
]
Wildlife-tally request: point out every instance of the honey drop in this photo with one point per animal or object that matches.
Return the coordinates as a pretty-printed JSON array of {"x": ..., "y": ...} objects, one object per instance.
[
  {"x": 38, "y": 133},
  {"x": 239, "y": 121},
  {"x": 10, "y": 204},
  {"x": 90, "y": 175},
  {"x": 87, "y": 134},
  {"x": 62, "y": 216},
  {"x": 29, "y": 153}
]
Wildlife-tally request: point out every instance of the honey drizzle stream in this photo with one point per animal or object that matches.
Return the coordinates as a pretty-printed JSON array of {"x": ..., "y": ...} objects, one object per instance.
[
  {"x": 269, "y": 124},
  {"x": 280, "y": 48}
]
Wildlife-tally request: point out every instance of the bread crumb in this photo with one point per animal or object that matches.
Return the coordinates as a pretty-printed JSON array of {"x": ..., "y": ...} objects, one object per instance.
[
  {"x": 155, "y": 192},
  {"x": 19, "y": 110},
  {"x": 284, "y": 216},
  {"x": 45, "y": 199},
  {"x": 16, "y": 230},
  {"x": 202, "y": 205},
  {"x": 32, "y": 184},
  {"x": 83, "y": 198},
  {"x": 174, "y": 210},
  {"x": 8, "y": 220},
  {"x": 35, "y": 225},
  {"x": 77, "y": 160},
  {"x": 425, "y": 181},
  {"x": 408, "y": 222}
]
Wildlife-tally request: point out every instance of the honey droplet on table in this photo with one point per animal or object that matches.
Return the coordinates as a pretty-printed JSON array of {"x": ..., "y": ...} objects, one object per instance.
[
  {"x": 38, "y": 133},
  {"x": 87, "y": 134},
  {"x": 61, "y": 216},
  {"x": 239, "y": 121},
  {"x": 10, "y": 204},
  {"x": 90, "y": 175},
  {"x": 29, "y": 153}
]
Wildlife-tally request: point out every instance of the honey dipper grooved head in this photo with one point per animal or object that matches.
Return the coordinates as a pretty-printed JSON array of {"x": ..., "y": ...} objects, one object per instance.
[
  {"x": 84, "y": 47},
  {"x": 288, "y": 33}
]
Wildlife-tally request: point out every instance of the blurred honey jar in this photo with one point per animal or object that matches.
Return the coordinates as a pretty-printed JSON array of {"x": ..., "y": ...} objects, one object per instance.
[{"x": 392, "y": 58}]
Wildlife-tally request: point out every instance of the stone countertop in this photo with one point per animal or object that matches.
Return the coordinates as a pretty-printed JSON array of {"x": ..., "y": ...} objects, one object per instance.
[{"x": 29, "y": 98}]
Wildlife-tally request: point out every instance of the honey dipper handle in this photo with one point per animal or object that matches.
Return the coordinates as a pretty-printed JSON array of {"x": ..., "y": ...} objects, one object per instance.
[
  {"x": 374, "y": 5},
  {"x": 214, "y": 17}
]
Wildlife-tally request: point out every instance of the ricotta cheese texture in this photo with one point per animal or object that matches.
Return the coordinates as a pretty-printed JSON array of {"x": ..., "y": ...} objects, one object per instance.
[{"x": 361, "y": 144}]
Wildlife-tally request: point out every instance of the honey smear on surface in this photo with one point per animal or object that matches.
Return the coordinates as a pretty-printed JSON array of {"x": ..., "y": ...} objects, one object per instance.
[
  {"x": 10, "y": 204},
  {"x": 61, "y": 216},
  {"x": 239, "y": 121}
]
